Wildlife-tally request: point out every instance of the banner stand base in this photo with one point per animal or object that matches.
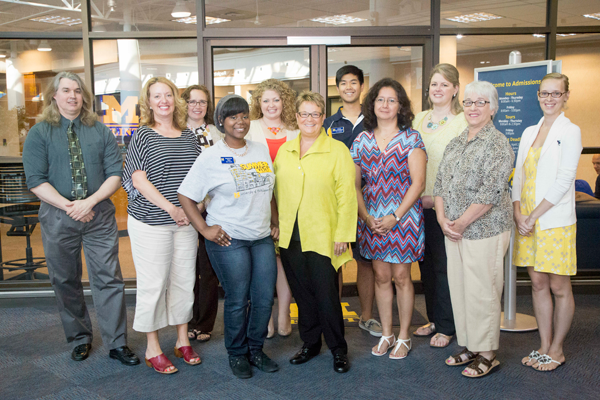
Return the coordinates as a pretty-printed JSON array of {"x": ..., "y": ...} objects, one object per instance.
[{"x": 521, "y": 323}]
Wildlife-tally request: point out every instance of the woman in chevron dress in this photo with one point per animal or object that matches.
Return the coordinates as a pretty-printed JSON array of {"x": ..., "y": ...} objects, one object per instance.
[{"x": 390, "y": 156}]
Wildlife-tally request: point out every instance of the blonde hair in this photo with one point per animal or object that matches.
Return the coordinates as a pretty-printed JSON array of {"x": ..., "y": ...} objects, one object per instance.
[
  {"x": 310, "y": 97},
  {"x": 51, "y": 113},
  {"x": 147, "y": 114},
  {"x": 287, "y": 95},
  {"x": 450, "y": 73},
  {"x": 559, "y": 76}
]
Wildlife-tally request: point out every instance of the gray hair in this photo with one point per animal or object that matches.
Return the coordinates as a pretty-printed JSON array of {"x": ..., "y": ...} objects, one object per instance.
[{"x": 483, "y": 89}]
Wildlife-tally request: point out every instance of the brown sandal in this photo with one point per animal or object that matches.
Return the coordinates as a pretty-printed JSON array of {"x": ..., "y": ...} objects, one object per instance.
[
  {"x": 481, "y": 360},
  {"x": 458, "y": 360},
  {"x": 441, "y": 335}
]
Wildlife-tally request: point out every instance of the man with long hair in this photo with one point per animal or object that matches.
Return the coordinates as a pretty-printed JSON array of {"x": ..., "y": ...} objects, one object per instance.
[{"x": 73, "y": 165}]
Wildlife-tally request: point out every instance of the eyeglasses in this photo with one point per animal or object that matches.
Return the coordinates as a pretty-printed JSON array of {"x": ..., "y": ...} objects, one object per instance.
[
  {"x": 545, "y": 94},
  {"x": 195, "y": 103},
  {"x": 315, "y": 115},
  {"x": 381, "y": 100},
  {"x": 478, "y": 103}
]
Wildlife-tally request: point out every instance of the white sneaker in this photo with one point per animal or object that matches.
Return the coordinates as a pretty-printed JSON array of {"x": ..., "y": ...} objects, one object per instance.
[{"x": 372, "y": 326}]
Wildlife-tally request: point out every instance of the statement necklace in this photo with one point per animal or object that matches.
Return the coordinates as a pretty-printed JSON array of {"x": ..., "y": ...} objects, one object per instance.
[
  {"x": 231, "y": 150},
  {"x": 432, "y": 125}
]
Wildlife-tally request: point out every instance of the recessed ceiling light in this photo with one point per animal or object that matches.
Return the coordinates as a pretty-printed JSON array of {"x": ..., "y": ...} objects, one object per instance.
[
  {"x": 338, "y": 19},
  {"x": 539, "y": 35},
  {"x": 459, "y": 36},
  {"x": 566, "y": 34},
  {"x": 593, "y": 16},
  {"x": 475, "y": 17},
  {"x": 209, "y": 20},
  {"x": 57, "y": 19},
  {"x": 2, "y": 54}
]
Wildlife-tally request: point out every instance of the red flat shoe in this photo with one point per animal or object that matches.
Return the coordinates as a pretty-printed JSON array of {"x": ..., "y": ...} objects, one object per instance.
[
  {"x": 187, "y": 353},
  {"x": 160, "y": 363}
]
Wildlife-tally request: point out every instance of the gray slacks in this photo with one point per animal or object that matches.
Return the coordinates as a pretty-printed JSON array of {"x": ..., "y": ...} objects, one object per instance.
[{"x": 63, "y": 238}]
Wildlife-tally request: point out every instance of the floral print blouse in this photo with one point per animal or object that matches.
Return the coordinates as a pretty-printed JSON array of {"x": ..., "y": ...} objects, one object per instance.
[{"x": 477, "y": 171}]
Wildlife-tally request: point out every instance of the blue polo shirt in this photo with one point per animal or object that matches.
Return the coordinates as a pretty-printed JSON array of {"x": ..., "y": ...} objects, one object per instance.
[{"x": 342, "y": 129}]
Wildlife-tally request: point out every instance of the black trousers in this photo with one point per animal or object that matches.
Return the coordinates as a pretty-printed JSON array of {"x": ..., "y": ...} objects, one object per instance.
[
  {"x": 434, "y": 275},
  {"x": 314, "y": 284},
  {"x": 206, "y": 292}
]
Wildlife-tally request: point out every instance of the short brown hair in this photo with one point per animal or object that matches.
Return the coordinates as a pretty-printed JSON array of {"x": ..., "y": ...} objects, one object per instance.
[
  {"x": 208, "y": 118},
  {"x": 310, "y": 97},
  {"x": 146, "y": 113}
]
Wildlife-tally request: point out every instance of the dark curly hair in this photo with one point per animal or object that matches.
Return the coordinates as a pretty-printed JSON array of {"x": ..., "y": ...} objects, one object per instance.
[{"x": 405, "y": 114}]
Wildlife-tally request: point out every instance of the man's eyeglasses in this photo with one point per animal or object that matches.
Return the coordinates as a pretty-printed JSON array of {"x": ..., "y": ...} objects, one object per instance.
[
  {"x": 478, "y": 103},
  {"x": 545, "y": 94},
  {"x": 195, "y": 103},
  {"x": 315, "y": 115}
]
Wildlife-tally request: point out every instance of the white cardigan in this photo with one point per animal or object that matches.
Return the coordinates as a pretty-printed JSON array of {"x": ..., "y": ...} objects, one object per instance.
[
  {"x": 556, "y": 171},
  {"x": 255, "y": 133}
]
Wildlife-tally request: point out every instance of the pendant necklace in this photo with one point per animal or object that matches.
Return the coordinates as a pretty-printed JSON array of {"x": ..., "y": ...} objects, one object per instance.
[{"x": 432, "y": 125}]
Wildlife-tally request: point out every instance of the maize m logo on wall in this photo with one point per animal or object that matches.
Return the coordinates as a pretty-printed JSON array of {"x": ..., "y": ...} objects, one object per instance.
[{"x": 121, "y": 116}]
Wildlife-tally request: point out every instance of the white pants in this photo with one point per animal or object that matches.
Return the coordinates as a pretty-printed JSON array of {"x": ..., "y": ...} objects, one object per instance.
[
  {"x": 165, "y": 265},
  {"x": 476, "y": 279}
]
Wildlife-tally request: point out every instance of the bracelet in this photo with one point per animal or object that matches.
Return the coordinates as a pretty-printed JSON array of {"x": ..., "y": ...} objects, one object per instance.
[{"x": 395, "y": 216}]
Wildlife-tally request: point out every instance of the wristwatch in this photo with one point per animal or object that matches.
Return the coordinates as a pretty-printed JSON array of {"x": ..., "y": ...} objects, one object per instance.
[{"x": 393, "y": 214}]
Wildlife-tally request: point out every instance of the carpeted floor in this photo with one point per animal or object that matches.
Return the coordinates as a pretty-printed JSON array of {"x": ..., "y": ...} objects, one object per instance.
[{"x": 35, "y": 364}]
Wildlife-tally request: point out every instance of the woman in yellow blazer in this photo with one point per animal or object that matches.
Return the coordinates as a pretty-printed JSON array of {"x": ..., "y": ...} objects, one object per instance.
[{"x": 314, "y": 187}]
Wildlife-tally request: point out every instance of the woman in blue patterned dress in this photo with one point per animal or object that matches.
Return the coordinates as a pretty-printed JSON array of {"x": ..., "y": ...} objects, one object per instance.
[{"x": 390, "y": 156}]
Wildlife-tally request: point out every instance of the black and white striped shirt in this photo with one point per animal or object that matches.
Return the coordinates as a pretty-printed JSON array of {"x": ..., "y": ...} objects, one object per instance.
[{"x": 166, "y": 162}]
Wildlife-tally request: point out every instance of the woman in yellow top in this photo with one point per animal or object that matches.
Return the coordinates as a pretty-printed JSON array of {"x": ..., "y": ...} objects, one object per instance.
[
  {"x": 543, "y": 197},
  {"x": 273, "y": 115},
  {"x": 440, "y": 124},
  {"x": 314, "y": 187}
]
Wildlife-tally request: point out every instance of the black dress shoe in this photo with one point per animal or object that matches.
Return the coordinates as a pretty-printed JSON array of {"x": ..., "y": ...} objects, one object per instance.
[
  {"x": 304, "y": 355},
  {"x": 240, "y": 367},
  {"x": 261, "y": 361},
  {"x": 125, "y": 355},
  {"x": 340, "y": 363},
  {"x": 81, "y": 352}
]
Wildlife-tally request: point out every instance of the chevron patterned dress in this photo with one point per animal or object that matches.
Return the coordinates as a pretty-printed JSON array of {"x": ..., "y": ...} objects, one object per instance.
[{"x": 387, "y": 180}]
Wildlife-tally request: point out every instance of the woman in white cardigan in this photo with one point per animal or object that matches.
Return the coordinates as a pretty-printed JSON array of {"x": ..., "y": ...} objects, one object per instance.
[{"x": 543, "y": 197}]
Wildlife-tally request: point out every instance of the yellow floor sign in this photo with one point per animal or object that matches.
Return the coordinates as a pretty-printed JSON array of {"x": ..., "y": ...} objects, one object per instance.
[{"x": 349, "y": 316}]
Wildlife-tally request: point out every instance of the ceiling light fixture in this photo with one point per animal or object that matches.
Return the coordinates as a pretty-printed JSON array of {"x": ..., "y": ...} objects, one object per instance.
[
  {"x": 44, "y": 46},
  {"x": 338, "y": 19},
  {"x": 58, "y": 20},
  {"x": 180, "y": 10},
  {"x": 539, "y": 35},
  {"x": 2, "y": 54},
  {"x": 566, "y": 34},
  {"x": 593, "y": 16},
  {"x": 209, "y": 20},
  {"x": 459, "y": 36},
  {"x": 475, "y": 17}
]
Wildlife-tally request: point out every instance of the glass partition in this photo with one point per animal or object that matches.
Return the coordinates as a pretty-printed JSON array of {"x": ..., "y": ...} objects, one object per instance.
[
  {"x": 319, "y": 14},
  {"x": 578, "y": 12},
  {"x": 492, "y": 14},
  {"x": 40, "y": 16}
]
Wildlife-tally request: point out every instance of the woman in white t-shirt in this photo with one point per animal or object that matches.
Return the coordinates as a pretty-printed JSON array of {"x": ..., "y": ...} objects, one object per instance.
[
  {"x": 273, "y": 115},
  {"x": 238, "y": 177}
]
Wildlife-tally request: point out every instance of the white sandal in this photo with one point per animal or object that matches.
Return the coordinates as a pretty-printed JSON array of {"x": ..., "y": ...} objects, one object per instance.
[
  {"x": 381, "y": 341},
  {"x": 401, "y": 342}
]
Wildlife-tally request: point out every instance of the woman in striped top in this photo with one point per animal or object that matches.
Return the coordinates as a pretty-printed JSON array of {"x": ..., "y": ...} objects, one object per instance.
[{"x": 163, "y": 243}]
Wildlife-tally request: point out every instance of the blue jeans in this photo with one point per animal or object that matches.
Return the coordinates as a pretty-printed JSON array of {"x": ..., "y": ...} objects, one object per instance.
[{"x": 247, "y": 271}]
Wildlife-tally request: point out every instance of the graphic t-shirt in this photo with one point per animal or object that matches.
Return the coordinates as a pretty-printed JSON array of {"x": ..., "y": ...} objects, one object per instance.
[{"x": 240, "y": 189}]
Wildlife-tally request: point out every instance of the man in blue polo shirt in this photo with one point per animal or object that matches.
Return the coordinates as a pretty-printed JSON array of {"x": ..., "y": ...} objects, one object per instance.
[{"x": 345, "y": 125}]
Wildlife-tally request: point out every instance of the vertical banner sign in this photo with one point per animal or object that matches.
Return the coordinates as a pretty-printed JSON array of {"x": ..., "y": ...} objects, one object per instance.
[{"x": 517, "y": 86}]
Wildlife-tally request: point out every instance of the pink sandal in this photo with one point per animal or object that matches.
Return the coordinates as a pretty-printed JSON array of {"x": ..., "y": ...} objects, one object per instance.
[
  {"x": 188, "y": 354},
  {"x": 160, "y": 363}
]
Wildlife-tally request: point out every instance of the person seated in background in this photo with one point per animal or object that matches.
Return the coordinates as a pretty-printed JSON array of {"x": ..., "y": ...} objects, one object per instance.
[
  {"x": 73, "y": 165},
  {"x": 345, "y": 125},
  {"x": 596, "y": 163}
]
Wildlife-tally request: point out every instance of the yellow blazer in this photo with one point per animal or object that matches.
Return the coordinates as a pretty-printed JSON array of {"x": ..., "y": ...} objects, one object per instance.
[{"x": 319, "y": 188}]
